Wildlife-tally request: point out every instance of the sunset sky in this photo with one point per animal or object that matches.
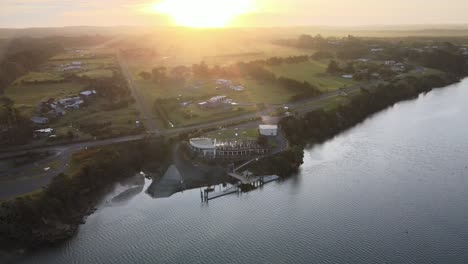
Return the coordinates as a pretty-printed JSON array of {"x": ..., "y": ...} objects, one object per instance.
[{"x": 44, "y": 13}]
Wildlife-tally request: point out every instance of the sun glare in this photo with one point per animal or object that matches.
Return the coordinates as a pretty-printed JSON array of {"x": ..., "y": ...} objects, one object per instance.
[{"x": 203, "y": 13}]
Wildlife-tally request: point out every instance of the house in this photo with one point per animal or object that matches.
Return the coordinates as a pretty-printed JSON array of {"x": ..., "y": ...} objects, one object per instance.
[
  {"x": 347, "y": 76},
  {"x": 88, "y": 93},
  {"x": 363, "y": 60},
  {"x": 398, "y": 67},
  {"x": 377, "y": 50},
  {"x": 43, "y": 132},
  {"x": 268, "y": 130},
  {"x": 229, "y": 84},
  {"x": 218, "y": 99},
  {"x": 237, "y": 88},
  {"x": 73, "y": 102},
  {"x": 40, "y": 120},
  {"x": 67, "y": 101},
  {"x": 56, "y": 112},
  {"x": 417, "y": 50},
  {"x": 75, "y": 105},
  {"x": 464, "y": 51}
]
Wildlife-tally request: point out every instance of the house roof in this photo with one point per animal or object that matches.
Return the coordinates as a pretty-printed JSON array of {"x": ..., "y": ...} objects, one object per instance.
[{"x": 268, "y": 127}]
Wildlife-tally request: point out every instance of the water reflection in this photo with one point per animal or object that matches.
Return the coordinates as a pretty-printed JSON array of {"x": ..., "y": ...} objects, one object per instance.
[{"x": 169, "y": 184}]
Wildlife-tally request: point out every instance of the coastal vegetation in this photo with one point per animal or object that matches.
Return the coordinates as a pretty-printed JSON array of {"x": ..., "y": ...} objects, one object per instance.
[
  {"x": 54, "y": 214},
  {"x": 319, "y": 125}
]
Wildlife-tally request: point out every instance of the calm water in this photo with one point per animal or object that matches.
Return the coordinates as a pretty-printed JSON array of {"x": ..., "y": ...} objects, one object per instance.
[{"x": 392, "y": 190}]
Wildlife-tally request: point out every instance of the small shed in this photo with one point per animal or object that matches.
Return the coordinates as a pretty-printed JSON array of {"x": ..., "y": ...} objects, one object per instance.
[{"x": 269, "y": 130}]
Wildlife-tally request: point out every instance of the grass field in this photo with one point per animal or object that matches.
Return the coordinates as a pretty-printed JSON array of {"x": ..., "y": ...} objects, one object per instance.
[
  {"x": 193, "y": 114},
  {"x": 38, "y": 77},
  {"x": 427, "y": 72},
  {"x": 236, "y": 133},
  {"x": 87, "y": 64},
  {"x": 123, "y": 120},
  {"x": 97, "y": 73},
  {"x": 255, "y": 92},
  {"x": 313, "y": 72},
  {"x": 28, "y": 96},
  {"x": 220, "y": 52}
]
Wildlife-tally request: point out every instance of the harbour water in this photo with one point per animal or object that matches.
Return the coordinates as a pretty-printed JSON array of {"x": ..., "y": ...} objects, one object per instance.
[{"x": 394, "y": 189}]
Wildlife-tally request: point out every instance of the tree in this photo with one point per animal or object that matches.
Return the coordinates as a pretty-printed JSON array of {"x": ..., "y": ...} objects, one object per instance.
[
  {"x": 159, "y": 74},
  {"x": 320, "y": 55},
  {"x": 145, "y": 75},
  {"x": 349, "y": 68},
  {"x": 201, "y": 70},
  {"x": 333, "y": 67},
  {"x": 7, "y": 105}
]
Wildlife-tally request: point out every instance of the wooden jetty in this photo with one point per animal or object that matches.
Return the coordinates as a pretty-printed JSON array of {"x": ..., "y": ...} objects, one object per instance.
[{"x": 245, "y": 178}]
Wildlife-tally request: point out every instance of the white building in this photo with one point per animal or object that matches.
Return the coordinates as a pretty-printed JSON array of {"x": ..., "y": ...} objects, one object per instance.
[
  {"x": 268, "y": 130},
  {"x": 347, "y": 76},
  {"x": 88, "y": 93},
  {"x": 45, "y": 131},
  {"x": 204, "y": 146},
  {"x": 237, "y": 88},
  {"x": 218, "y": 99},
  {"x": 69, "y": 101},
  {"x": 75, "y": 105}
]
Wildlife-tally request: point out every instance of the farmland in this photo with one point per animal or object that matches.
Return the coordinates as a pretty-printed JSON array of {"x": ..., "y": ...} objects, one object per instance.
[
  {"x": 313, "y": 72},
  {"x": 65, "y": 76},
  {"x": 28, "y": 96}
]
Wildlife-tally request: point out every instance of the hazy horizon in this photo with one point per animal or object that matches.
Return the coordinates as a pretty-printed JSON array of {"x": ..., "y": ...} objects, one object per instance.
[{"x": 246, "y": 13}]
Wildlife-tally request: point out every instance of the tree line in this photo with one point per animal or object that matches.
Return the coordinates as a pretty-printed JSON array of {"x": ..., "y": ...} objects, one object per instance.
[
  {"x": 320, "y": 125},
  {"x": 23, "y": 55}
]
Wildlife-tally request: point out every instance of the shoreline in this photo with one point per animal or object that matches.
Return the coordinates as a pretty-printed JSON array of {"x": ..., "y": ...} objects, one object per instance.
[
  {"x": 285, "y": 164},
  {"x": 32, "y": 223},
  {"x": 289, "y": 161}
]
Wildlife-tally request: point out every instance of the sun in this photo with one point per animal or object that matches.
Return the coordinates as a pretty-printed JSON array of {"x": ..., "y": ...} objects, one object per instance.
[{"x": 203, "y": 13}]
